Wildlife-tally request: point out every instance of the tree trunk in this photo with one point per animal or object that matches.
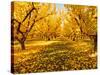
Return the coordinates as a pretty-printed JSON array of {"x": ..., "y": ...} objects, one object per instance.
[
  {"x": 95, "y": 42},
  {"x": 22, "y": 45},
  {"x": 48, "y": 38},
  {"x": 94, "y": 39}
]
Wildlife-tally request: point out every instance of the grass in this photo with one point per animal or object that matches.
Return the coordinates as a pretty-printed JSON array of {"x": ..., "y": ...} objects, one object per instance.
[{"x": 55, "y": 56}]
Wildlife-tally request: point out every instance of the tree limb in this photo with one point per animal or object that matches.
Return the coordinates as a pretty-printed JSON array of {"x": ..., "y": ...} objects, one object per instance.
[{"x": 28, "y": 14}]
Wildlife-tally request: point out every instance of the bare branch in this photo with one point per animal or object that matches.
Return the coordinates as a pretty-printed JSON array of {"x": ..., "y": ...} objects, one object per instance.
[
  {"x": 15, "y": 20},
  {"x": 28, "y": 14},
  {"x": 37, "y": 21}
]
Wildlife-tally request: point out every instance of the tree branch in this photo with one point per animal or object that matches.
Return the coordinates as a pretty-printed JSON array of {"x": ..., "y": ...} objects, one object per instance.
[
  {"x": 15, "y": 20},
  {"x": 37, "y": 21},
  {"x": 28, "y": 14}
]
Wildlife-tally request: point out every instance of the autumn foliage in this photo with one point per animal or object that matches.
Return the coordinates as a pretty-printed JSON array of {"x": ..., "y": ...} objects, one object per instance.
[{"x": 53, "y": 37}]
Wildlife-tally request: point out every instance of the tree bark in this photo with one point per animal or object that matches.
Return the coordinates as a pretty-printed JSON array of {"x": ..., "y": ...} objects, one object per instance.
[{"x": 22, "y": 45}]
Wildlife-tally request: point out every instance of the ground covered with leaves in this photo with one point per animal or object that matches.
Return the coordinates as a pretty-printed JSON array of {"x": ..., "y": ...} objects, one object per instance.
[{"x": 55, "y": 56}]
